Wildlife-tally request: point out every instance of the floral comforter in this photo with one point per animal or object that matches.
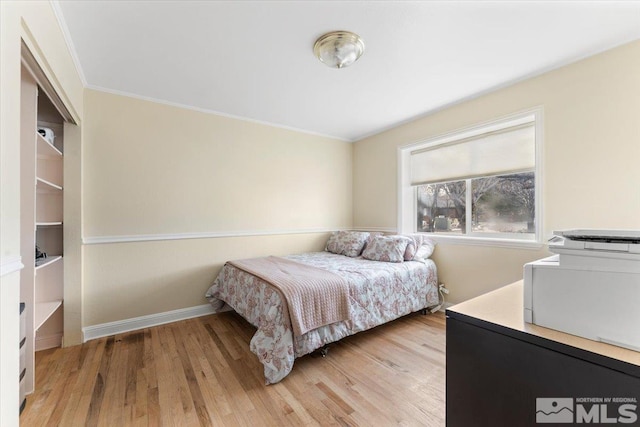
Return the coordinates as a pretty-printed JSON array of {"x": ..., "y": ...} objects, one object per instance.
[{"x": 378, "y": 293}]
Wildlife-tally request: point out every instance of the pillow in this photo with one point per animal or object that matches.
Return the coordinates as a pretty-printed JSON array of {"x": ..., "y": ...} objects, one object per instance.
[
  {"x": 372, "y": 234},
  {"x": 419, "y": 248},
  {"x": 386, "y": 248},
  {"x": 349, "y": 243},
  {"x": 425, "y": 250}
]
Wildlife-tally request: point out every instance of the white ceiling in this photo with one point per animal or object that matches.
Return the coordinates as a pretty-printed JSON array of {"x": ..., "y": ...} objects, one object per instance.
[{"x": 254, "y": 59}]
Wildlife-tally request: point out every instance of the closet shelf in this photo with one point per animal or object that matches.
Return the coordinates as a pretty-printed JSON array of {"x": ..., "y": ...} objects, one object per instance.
[
  {"x": 45, "y": 186},
  {"x": 43, "y": 262},
  {"x": 45, "y": 149},
  {"x": 49, "y": 224},
  {"x": 44, "y": 310}
]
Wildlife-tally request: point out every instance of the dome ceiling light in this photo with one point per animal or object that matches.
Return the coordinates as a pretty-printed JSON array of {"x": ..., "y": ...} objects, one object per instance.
[{"x": 339, "y": 49}]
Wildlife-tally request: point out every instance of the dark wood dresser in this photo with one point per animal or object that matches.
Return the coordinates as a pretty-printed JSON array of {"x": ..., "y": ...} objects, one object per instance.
[{"x": 502, "y": 371}]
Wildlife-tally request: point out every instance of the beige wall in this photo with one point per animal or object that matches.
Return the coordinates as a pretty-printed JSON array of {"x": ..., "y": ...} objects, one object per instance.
[
  {"x": 590, "y": 161},
  {"x": 128, "y": 280},
  {"x": 152, "y": 169},
  {"x": 35, "y": 23}
]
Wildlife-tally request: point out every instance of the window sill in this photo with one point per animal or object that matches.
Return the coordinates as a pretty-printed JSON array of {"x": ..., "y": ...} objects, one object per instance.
[{"x": 486, "y": 241}]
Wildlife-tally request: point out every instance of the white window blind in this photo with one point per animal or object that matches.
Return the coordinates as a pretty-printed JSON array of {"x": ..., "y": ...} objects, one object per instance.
[{"x": 502, "y": 151}]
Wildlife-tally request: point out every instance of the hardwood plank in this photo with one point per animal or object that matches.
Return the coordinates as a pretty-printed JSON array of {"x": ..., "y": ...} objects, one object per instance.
[
  {"x": 199, "y": 404},
  {"x": 80, "y": 400},
  {"x": 332, "y": 395},
  {"x": 200, "y": 372},
  {"x": 97, "y": 392},
  {"x": 115, "y": 386},
  {"x": 169, "y": 404},
  {"x": 153, "y": 409}
]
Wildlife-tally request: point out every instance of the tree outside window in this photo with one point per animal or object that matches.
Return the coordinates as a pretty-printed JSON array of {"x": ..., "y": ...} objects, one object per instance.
[{"x": 499, "y": 205}]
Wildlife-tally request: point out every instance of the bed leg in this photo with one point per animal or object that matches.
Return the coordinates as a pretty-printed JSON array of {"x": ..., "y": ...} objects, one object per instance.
[
  {"x": 324, "y": 350},
  {"x": 423, "y": 311}
]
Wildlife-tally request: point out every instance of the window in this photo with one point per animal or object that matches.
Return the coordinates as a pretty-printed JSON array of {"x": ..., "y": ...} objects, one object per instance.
[
  {"x": 480, "y": 184},
  {"x": 500, "y": 206}
]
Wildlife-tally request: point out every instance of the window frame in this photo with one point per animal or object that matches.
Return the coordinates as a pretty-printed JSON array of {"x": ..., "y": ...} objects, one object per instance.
[{"x": 407, "y": 194}]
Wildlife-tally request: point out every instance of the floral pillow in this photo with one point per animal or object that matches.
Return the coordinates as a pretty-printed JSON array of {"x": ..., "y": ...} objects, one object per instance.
[
  {"x": 372, "y": 235},
  {"x": 349, "y": 243},
  {"x": 386, "y": 248},
  {"x": 420, "y": 247}
]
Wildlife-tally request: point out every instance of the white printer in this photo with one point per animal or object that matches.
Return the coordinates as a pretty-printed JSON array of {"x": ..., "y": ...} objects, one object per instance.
[{"x": 590, "y": 288}]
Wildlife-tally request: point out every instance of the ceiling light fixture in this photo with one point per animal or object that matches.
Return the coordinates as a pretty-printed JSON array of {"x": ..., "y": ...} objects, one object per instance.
[{"x": 339, "y": 49}]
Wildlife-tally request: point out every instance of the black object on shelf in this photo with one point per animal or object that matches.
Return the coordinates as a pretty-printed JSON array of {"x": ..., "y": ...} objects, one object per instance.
[{"x": 40, "y": 254}]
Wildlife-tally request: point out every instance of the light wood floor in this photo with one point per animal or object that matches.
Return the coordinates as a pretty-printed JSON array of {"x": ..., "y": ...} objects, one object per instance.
[{"x": 201, "y": 372}]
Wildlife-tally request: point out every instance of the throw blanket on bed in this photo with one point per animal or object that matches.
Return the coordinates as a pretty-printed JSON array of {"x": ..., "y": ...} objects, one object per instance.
[{"x": 315, "y": 297}]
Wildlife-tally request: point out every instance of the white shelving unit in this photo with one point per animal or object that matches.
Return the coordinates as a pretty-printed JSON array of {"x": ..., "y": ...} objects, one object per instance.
[{"x": 41, "y": 192}]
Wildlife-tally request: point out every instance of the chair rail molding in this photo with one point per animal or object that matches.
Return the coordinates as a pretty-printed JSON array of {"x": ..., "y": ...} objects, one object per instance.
[{"x": 98, "y": 240}]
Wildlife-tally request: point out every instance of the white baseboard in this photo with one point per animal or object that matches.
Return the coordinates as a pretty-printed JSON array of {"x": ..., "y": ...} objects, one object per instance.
[
  {"x": 49, "y": 341},
  {"x": 127, "y": 325}
]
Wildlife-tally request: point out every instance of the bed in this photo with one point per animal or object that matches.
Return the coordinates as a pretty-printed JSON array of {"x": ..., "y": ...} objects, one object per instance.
[{"x": 381, "y": 287}]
